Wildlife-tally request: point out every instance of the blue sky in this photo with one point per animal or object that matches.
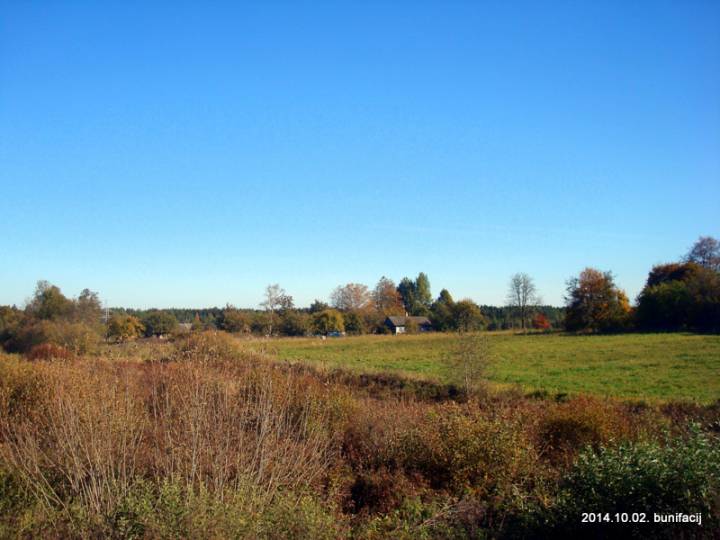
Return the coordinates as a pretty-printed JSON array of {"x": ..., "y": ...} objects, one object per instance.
[{"x": 188, "y": 154}]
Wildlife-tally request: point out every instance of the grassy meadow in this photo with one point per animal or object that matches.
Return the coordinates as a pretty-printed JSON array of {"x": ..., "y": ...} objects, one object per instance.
[{"x": 655, "y": 367}]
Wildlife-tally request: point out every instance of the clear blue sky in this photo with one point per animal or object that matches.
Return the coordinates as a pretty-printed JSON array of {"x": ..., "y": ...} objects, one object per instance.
[{"x": 188, "y": 154}]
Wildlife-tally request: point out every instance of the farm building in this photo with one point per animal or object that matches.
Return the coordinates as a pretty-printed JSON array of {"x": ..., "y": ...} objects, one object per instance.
[{"x": 397, "y": 324}]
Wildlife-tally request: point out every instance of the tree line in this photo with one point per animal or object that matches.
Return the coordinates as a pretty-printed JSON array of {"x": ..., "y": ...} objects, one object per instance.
[{"x": 681, "y": 295}]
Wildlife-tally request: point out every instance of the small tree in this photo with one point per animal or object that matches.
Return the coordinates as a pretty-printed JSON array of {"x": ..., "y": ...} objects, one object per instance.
[
  {"x": 328, "y": 321},
  {"x": 275, "y": 300},
  {"x": 468, "y": 316},
  {"x": 294, "y": 323},
  {"x": 124, "y": 328},
  {"x": 541, "y": 322},
  {"x": 233, "y": 320},
  {"x": 470, "y": 360},
  {"x": 158, "y": 323},
  {"x": 354, "y": 322}
]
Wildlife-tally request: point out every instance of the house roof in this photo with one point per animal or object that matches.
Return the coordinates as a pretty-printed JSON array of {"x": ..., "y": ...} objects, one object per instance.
[{"x": 402, "y": 321}]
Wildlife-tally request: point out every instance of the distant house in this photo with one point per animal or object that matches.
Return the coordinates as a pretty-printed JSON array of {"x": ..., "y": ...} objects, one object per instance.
[
  {"x": 397, "y": 324},
  {"x": 184, "y": 327}
]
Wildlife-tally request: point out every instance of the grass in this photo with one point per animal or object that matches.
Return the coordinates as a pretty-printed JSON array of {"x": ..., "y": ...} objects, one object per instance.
[{"x": 654, "y": 367}]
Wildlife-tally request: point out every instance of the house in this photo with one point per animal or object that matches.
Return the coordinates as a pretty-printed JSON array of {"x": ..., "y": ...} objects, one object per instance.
[{"x": 397, "y": 324}]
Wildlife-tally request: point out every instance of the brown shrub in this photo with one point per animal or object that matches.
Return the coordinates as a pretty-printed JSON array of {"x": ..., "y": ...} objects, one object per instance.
[
  {"x": 99, "y": 425},
  {"x": 21, "y": 389},
  {"x": 77, "y": 337},
  {"x": 209, "y": 346},
  {"x": 464, "y": 447},
  {"x": 565, "y": 428},
  {"x": 49, "y": 351},
  {"x": 681, "y": 414},
  {"x": 381, "y": 491}
]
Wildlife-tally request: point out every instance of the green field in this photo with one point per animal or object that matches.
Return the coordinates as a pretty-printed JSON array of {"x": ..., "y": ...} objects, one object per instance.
[{"x": 656, "y": 367}]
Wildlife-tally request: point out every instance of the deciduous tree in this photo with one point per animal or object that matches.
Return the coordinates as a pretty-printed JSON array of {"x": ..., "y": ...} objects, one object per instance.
[
  {"x": 595, "y": 303},
  {"x": 158, "y": 323},
  {"x": 124, "y": 327},
  {"x": 276, "y": 299},
  {"x": 233, "y": 320},
  {"x": 541, "y": 322},
  {"x": 468, "y": 316},
  {"x": 350, "y": 297},
  {"x": 328, "y": 321},
  {"x": 522, "y": 296},
  {"x": 705, "y": 252},
  {"x": 416, "y": 295},
  {"x": 49, "y": 302},
  {"x": 387, "y": 301},
  {"x": 442, "y": 312}
]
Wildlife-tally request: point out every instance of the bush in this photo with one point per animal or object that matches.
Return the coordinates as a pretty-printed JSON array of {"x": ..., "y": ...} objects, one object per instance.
[
  {"x": 566, "y": 428},
  {"x": 159, "y": 323},
  {"x": 208, "y": 345},
  {"x": 682, "y": 475},
  {"x": 294, "y": 323},
  {"x": 79, "y": 338},
  {"x": 680, "y": 296},
  {"x": 49, "y": 351},
  {"x": 461, "y": 449},
  {"x": 21, "y": 389}
]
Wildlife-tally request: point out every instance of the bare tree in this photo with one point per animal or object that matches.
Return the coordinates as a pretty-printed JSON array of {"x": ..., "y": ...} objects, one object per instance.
[
  {"x": 522, "y": 295},
  {"x": 705, "y": 252},
  {"x": 275, "y": 300},
  {"x": 350, "y": 297}
]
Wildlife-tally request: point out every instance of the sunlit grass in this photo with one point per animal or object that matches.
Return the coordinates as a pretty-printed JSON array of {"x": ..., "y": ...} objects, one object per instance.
[{"x": 656, "y": 367}]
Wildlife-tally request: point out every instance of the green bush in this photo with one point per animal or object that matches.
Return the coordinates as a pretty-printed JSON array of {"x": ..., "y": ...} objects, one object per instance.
[
  {"x": 682, "y": 475},
  {"x": 170, "y": 510}
]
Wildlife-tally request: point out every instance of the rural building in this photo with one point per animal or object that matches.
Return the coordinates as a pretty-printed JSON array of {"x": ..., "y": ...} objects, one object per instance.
[{"x": 397, "y": 324}]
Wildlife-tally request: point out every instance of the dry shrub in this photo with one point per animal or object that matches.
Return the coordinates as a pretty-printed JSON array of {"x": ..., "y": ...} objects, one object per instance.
[
  {"x": 465, "y": 448},
  {"x": 682, "y": 414},
  {"x": 566, "y": 428},
  {"x": 225, "y": 426},
  {"x": 81, "y": 441},
  {"x": 49, "y": 351},
  {"x": 21, "y": 388},
  {"x": 97, "y": 427},
  {"x": 209, "y": 346},
  {"x": 381, "y": 491},
  {"x": 77, "y": 337},
  {"x": 401, "y": 450}
]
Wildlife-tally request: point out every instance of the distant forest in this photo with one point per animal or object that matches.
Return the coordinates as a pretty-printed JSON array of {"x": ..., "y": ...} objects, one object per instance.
[{"x": 498, "y": 317}]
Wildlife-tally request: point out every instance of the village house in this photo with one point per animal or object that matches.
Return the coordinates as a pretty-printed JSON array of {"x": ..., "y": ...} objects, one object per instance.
[{"x": 398, "y": 324}]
